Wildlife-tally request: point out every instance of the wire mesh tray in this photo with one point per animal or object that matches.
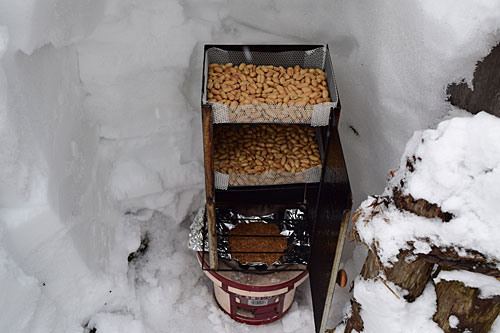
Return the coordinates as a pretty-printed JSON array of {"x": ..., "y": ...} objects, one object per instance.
[
  {"x": 265, "y": 154},
  {"x": 223, "y": 181},
  {"x": 314, "y": 115}
]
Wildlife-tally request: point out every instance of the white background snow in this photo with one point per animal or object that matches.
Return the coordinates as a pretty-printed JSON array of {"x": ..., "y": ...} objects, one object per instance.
[{"x": 100, "y": 116}]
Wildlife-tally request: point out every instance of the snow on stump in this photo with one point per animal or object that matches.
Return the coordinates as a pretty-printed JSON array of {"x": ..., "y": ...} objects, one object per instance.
[{"x": 434, "y": 253}]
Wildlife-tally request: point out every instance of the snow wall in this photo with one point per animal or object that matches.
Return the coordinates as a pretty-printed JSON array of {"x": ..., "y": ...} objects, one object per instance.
[
  {"x": 99, "y": 109},
  {"x": 55, "y": 240}
]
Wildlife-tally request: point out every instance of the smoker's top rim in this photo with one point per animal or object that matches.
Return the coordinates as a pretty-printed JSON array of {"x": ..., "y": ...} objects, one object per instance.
[{"x": 265, "y": 47}]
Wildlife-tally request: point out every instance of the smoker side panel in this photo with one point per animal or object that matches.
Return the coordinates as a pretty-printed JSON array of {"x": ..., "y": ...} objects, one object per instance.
[
  {"x": 328, "y": 231},
  {"x": 208, "y": 162}
]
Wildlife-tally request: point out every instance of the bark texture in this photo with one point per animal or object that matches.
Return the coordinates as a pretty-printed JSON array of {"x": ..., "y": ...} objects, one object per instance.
[
  {"x": 419, "y": 207},
  {"x": 473, "y": 262},
  {"x": 486, "y": 83},
  {"x": 355, "y": 322},
  {"x": 474, "y": 314},
  {"x": 410, "y": 274}
]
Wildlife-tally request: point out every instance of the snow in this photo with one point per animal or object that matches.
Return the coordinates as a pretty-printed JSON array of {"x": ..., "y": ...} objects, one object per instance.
[
  {"x": 488, "y": 285},
  {"x": 453, "y": 320},
  {"x": 168, "y": 288},
  {"x": 116, "y": 323},
  {"x": 34, "y": 23},
  {"x": 20, "y": 294},
  {"x": 457, "y": 166},
  {"x": 101, "y": 140},
  {"x": 461, "y": 169},
  {"x": 495, "y": 328},
  {"x": 382, "y": 311}
]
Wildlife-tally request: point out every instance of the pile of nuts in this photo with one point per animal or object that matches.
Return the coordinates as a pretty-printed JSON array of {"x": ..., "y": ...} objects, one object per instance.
[
  {"x": 251, "y": 84},
  {"x": 258, "y": 149}
]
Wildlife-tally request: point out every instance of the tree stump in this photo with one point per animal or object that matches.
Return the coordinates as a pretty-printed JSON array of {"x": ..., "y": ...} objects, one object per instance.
[
  {"x": 453, "y": 297},
  {"x": 413, "y": 272},
  {"x": 415, "y": 269},
  {"x": 474, "y": 314}
]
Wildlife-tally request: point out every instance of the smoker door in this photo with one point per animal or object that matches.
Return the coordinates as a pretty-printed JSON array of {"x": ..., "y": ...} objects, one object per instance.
[{"x": 330, "y": 226}]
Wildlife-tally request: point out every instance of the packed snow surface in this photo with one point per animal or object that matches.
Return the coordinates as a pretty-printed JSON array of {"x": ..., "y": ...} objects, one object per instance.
[
  {"x": 457, "y": 167},
  {"x": 101, "y": 140},
  {"x": 383, "y": 311}
]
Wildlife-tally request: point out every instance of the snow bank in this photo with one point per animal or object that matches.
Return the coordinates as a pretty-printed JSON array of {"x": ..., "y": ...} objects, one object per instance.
[
  {"x": 34, "y": 23},
  {"x": 143, "y": 91},
  {"x": 56, "y": 244},
  {"x": 20, "y": 292},
  {"x": 456, "y": 167},
  {"x": 20, "y": 295}
]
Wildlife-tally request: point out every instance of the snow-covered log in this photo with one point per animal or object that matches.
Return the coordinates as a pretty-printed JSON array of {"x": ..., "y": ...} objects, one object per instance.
[
  {"x": 456, "y": 298},
  {"x": 432, "y": 235}
]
